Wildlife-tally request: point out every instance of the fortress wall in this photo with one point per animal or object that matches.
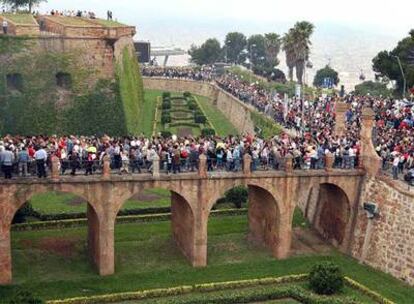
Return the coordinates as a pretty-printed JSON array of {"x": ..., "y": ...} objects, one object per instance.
[
  {"x": 387, "y": 242},
  {"x": 237, "y": 112}
]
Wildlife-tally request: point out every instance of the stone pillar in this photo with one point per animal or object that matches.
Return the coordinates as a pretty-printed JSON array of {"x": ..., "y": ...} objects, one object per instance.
[
  {"x": 288, "y": 163},
  {"x": 156, "y": 166},
  {"x": 247, "y": 162},
  {"x": 5, "y": 255},
  {"x": 202, "y": 166},
  {"x": 55, "y": 167},
  {"x": 329, "y": 161},
  {"x": 340, "y": 110},
  {"x": 106, "y": 170},
  {"x": 369, "y": 158},
  {"x": 101, "y": 241},
  {"x": 182, "y": 225}
]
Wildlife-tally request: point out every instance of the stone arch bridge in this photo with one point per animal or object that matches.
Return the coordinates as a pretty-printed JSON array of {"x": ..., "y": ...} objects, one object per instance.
[{"x": 273, "y": 196}]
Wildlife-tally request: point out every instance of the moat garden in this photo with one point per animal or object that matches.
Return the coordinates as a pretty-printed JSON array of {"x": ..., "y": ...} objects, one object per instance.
[{"x": 50, "y": 258}]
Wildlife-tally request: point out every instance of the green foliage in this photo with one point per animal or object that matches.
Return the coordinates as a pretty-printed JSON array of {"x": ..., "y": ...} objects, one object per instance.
[
  {"x": 19, "y": 4},
  {"x": 22, "y": 213},
  {"x": 372, "y": 88},
  {"x": 234, "y": 45},
  {"x": 166, "y": 134},
  {"x": 256, "y": 47},
  {"x": 187, "y": 95},
  {"x": 166, "y": 104},
  {"x": 165, "y": 118},
  {"x": 208, "y": 53},
  {"x": 208, "y": 132},
  {"x": 386, "y": 66},
  {"x": 22, "y": 296},
  {"x": 237, "y": 195},
  {"x": 326, "y": 72},
  {"x": 265, "y": 126},
  {"x": 326, "y": 278},
  {"x": 166, "y": 95}
]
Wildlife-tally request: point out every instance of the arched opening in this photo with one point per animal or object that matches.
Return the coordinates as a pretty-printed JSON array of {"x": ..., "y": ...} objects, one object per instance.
[
  {"x": 46, "y": 251},
  {"x": 154, "y": 240},
  {"x": 333, "y": 213},
  {"x": 248, "y": 234},
  {"x": 14, "y": 82},
  {"x": 64, "y": 80}
]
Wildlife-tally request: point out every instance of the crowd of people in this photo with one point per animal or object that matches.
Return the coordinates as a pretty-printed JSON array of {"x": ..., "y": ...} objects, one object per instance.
[
  {"x": 315, "y": 119},
  {"x": 200, "y": 74},
  {"x": 309, "y": 137}
]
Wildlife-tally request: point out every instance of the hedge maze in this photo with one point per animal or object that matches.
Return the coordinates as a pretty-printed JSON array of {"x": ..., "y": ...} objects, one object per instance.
[{"x": 182, "y": 115}]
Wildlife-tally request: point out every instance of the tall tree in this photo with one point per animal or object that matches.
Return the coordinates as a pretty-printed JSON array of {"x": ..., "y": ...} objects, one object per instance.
[
  {"x": 289, "y": 49},
  {"x": 208, "y": 53},
  {"x": 256, "y": 48},
  {"x": 234, "y": 44},
  {"x": 302, "y": 31},
  {"x": 385, "y": 64},
  {"x": 272, "y": 49},
  {"x": 322, "y": 74}
]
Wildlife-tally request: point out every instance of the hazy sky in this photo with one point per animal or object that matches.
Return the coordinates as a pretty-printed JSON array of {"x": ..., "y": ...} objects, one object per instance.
[{"x": 384, "y": 15}]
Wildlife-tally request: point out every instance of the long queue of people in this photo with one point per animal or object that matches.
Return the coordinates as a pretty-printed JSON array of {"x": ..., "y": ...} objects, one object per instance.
[
  {"x": 394, "y": 139},
  {"x": 28, "y": 156}
]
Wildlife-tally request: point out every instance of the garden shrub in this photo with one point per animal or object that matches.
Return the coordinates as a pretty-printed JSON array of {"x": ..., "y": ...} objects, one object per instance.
[
  {"x": 238, "y": 195},
  {"x": 200, "y": 119},
  {"x": 22, "y": 213},
  {"x": 166, "y": 104},
  {"x": 326, "y": 278},
  {"x": 166, "y": 134},
  {"x": 165, "y": 118},
  {"x": 208, "y": 132},
  {"x": 187, "y": 94},
  {"x": 166, "y": 95}
]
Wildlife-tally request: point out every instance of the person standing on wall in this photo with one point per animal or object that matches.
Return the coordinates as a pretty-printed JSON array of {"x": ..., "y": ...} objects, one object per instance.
[
  {"x": 6, "y": 161},
  {"x": 5, "y": 26},
  {"x": 41, "y": 158}
]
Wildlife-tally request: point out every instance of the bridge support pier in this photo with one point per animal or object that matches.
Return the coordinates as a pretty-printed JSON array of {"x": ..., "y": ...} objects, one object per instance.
[
  {"x": 5, "y": 255},
  {"x": 101, "y": 242}
]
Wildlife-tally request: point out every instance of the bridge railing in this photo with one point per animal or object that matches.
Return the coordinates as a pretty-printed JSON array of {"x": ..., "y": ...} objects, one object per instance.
[{"x": 203, "y": 165}]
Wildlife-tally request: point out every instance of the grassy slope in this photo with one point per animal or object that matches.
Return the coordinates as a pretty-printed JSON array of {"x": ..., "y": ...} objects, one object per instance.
[
  {"x": 21, "y": 18},
  {"x": 148, "y": 111},
  {"x": 222, "y": 125},
  {"x": 131, "y": 91},
  {"x": 146, "y": 257}
]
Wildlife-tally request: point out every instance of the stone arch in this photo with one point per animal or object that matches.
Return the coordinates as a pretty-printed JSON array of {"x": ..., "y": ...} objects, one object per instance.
[
  {"x": 269, "y": 220},
  {"x": 22, "y": 194},
  {"x": 333, "y": 213},
  {"x": 182, "y": 216}
]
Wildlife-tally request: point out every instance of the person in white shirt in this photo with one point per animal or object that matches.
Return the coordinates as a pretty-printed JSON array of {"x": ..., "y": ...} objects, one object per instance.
[
  {"x": 41, "y": 158},
  {"x": 395, "y": 164},
  {"x": 5, "y": 26}
]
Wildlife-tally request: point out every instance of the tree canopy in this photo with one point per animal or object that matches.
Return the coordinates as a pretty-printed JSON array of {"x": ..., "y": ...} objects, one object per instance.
[
  {"x": 372, "y": 88},
  {"x": 326, "y": 73},
  {"x": 385, "y": 64},
  {"x": 235, "y": 43},
  {"x": 208, "y": 53},
  {"x": 21, "y": 4}
]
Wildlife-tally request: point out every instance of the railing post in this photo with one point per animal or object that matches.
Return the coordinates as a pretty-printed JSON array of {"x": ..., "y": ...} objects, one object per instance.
[
  {"x": 156, "y": 166},
  {"x": 106, "y": 169},
  {"x": 288, "y": 163},
  {"x": 202, "y": 166},
  {"x": 55, "y": 167},
  {"x": 329, "y": 161},
  {"x": 247, "y": 162}
]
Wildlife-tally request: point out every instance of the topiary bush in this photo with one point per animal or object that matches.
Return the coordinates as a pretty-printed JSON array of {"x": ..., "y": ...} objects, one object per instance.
[
  {"x": 166, "y": 95},
  {"x": 165, "y": 118},
  {"x": 200, "y": 119},
  {"x": 166, "y": 134},
  {"x": 238, "y": 196},
  {"x": 166, "y": 104},
  {"x": 208, "y": 132},
  {"x": 326, "y": 278},
  {"x": 187, "y": 94}
]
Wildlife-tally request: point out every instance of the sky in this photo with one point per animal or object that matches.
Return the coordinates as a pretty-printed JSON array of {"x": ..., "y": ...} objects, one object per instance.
[{"x": 348, "y": 33}]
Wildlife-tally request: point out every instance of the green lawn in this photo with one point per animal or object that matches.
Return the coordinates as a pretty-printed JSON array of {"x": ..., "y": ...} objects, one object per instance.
[
  {"x": 109, "y": 23},
  {"x": 21, "y": 18},
  {"x": 72, "y": 21},
  {"x": 222, "y": 125},
  {"x": 56, "y": 202},
  {"x": 150, "y": 102},
  {"x": 54, "y": 263}
]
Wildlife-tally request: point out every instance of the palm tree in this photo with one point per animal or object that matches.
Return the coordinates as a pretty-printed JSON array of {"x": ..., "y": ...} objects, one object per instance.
[
  {"x": 289, "y": 49},
  {"x": 301, "y": 33},
  {"x": 272, "y": 48}
]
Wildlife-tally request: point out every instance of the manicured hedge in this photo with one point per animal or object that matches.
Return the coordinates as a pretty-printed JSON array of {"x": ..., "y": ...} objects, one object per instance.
[
  {"x": 208, "y": 132},
  {"x": 154, "y": 217},
  {"x": 233, "y": 292}
]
